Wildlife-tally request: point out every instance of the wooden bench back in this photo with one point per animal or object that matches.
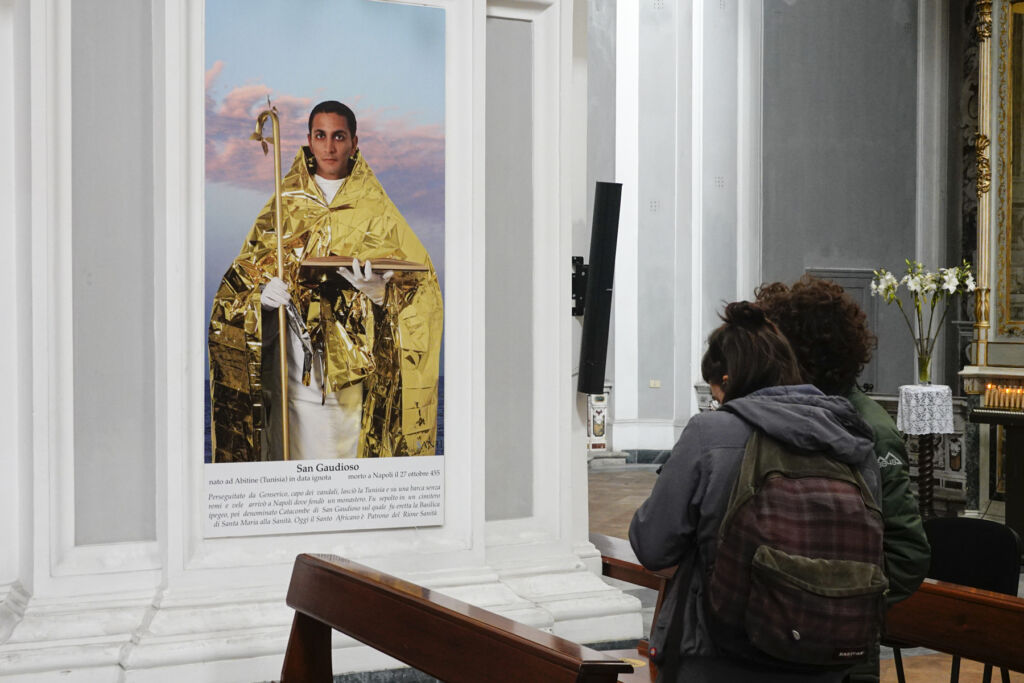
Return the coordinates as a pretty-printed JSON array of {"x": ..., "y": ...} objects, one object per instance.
[
  {"x": 973, "y": 623},
  {"x": 970, "y": 622},
  {"x": 439, "y": 635}
]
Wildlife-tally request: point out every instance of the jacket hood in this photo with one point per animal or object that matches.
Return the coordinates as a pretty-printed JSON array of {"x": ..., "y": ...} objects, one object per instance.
[{"x": 803, "y": 417}]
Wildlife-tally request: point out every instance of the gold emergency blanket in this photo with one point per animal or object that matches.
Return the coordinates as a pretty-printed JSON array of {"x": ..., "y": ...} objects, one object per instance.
[{"x": 393, "y": 349}]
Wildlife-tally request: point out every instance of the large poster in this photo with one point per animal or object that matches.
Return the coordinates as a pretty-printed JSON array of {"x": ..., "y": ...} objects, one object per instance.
[{"x": 358, "y": 88}]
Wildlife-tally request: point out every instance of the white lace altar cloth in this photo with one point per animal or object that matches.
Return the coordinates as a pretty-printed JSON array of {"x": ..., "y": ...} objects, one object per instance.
[{"x": 925, "y": 409}]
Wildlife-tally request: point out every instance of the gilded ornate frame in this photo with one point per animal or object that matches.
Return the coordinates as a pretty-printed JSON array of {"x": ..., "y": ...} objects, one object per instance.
[
  {"x": 1007, "y": 325},
  {"x": 1004, "y": 194}
]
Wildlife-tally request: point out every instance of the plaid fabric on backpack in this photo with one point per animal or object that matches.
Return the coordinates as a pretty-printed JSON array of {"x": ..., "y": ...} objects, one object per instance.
[{"x": 797, "y": 580}]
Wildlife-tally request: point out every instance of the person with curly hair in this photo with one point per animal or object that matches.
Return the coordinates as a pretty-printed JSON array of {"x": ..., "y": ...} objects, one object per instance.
[
  {"x": 753, "y": 372},
  {"x": 830, "y": 337}
]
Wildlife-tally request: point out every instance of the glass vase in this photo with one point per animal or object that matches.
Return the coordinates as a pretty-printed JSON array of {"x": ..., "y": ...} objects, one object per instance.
[{"x": 924, "y": 364}]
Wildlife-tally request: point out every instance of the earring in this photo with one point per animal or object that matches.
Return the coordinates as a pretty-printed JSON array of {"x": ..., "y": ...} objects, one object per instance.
[{"x": 311, "y": 163}]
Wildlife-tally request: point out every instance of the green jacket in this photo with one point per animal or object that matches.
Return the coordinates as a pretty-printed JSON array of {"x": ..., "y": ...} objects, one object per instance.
[{"x": 907, "y": 553}]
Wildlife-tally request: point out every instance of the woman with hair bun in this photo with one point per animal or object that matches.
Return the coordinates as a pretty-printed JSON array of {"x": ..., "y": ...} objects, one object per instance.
[{"x": 752, "y": 370}]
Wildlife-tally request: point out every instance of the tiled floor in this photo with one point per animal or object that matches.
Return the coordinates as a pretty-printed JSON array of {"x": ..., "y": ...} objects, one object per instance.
[{"x": 616, "y": 491}]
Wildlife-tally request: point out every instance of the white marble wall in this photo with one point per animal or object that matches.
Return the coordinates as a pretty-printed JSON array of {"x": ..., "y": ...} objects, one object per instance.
[
  {"x": 758, "y": 140},
  {"x": 855, "y": 139},
  {"x": 105, "y": 575}
]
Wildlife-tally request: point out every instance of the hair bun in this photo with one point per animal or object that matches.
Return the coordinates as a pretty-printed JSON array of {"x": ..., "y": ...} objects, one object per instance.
[{"x": 744, "y": 313}]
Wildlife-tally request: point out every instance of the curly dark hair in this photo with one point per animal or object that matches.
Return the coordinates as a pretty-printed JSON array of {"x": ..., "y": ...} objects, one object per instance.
[
  {"x": 827, "y": 329},
  {"x": 747, "y": 352}
]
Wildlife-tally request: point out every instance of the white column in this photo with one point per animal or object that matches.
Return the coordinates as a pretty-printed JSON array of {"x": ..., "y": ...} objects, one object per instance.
[
  {"x": 16, "y": 399},
  {"x": 627, "y": 172},
  {"x": 695, "y": 191},
  {"x": 748, "y": 135}
]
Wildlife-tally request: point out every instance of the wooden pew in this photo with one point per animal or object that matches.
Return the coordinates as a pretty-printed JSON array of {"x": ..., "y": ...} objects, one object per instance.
[
  {"x": 973, "y": 623},
  {"x": 619, "y": 562},
  {"x": 439, "y": 635},
  {"x": 970, "y": 622}
]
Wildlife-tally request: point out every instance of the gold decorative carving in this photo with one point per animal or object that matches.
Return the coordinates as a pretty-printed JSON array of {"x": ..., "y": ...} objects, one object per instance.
[
  {"x": 980, "y": 306},
  {"x": 984, "y": 27},
  {"x": 1005, "y": 140},
  {"x": 984, "y": 181},
  {"x": 981, "y": 326}
]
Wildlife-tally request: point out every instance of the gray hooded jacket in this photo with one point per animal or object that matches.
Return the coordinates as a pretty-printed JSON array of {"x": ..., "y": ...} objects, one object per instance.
[{"x": 678, "y": 523}]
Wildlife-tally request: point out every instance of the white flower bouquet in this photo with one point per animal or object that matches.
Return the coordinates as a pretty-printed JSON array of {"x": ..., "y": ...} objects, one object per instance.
[{"x": 928, "y": 290}]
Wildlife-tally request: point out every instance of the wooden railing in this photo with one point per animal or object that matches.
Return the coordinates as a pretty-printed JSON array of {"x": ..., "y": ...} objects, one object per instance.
[
  {"x": 439, "y": 635},
  {"x": 969, "y": 622}
]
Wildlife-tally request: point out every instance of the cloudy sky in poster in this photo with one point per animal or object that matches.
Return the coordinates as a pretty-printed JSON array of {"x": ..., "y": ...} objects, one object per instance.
[{"x": 385, "y": 60}]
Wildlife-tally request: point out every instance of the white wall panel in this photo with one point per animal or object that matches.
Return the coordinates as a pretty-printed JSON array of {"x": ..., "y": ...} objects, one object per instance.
[
  {"x": 510, "y": 265},
  {"x": 112, "y": 165},
  {"x": 841, "y": 161}
]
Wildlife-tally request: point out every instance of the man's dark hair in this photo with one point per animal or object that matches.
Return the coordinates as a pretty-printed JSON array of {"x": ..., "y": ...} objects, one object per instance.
[
  {"x": 826, "y": 328},
  {"x": 751, "y": 350},
  {"x": 334, "y": 107}
]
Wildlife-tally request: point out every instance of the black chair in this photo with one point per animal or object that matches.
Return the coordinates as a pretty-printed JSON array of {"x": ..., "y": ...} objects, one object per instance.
[{"x": 976, "y": 553}]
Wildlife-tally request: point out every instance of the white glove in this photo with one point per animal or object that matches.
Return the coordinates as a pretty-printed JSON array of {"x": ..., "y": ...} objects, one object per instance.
[
  {"x": 366, "y": 281},
  {"x": 275, "y": 294}
]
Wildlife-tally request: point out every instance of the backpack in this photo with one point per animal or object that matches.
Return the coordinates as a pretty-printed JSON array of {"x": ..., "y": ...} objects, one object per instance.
[{"x": 798, "y": 579}]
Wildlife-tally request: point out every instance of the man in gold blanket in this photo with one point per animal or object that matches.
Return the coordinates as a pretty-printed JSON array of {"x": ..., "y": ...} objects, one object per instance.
[{"x": 364, "y": 347}]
